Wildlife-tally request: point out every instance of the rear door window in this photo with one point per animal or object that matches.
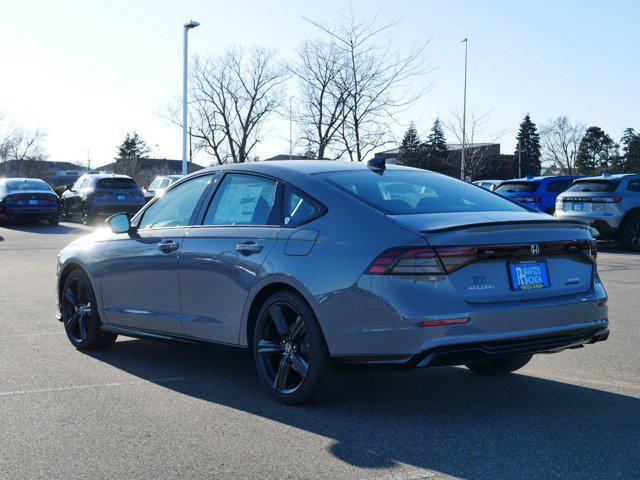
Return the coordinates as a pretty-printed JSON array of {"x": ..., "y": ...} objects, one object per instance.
[
  {"x": 243, "y": 199},
  {"x": 593, "y": 186},
  {"x": 634, "y": 186},
  {"x": 517, "y": 187}
]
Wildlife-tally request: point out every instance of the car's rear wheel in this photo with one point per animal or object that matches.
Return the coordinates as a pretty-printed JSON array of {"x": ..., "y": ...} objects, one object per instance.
[
  {"x": 290, "y": 352},
  {"x": 54, "y": 221},
  {"x": 499, "y": 367},
  {"x": 630, "y": 234},
  {"x": 80, "y": 315}
]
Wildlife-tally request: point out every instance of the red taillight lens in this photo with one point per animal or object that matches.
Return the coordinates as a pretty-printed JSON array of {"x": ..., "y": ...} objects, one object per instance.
[
  {"x": 444, "y": 321},
  {"x": 528, "y": 199},
  {"x": 407, "y": 261}
]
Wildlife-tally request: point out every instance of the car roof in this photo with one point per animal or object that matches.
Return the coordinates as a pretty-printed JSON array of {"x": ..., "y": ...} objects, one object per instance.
[
  {"x": 544, "y": 177},
  {"x": 99, "y": 176},
  {"x": 617, "y": 176},
  {"x": 22, "y": 179},
  {"x": 300, "y": 166}
]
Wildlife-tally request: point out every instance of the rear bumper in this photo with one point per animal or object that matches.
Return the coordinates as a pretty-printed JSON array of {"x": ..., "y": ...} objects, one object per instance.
[
  {"x": 30, "y": 214},
  {"x": 108, "y": 210},
  {"x": 606, "y": 226},
  {"x": 462, "y": 353}
]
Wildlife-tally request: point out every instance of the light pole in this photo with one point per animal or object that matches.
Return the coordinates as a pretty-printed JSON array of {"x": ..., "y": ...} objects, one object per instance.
[
  {"x": 464, "y": 115},
  {"x": 185, "y": 67},
  {"x": 290, "y": 130}
]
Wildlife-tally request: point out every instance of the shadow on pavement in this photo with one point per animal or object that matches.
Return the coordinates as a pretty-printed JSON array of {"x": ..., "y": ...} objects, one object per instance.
[
  {"x": 41, "y": 227},
  {"x": 445, "y": 419},
  {"x": 614, "y": 247}
]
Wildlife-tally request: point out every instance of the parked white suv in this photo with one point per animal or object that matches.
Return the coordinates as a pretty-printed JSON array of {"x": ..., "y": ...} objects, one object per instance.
[{"x": 610, "y": 203}]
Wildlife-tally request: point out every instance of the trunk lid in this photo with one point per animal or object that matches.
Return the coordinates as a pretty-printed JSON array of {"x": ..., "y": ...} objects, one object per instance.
[{"x": 496, "y": 256}]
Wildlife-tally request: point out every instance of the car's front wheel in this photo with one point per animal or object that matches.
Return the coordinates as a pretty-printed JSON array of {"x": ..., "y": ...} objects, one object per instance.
[
  {"x": 80, "y": 315},
  {"x": 290, "y": 352},
  {"x": 501, "y": 366}
]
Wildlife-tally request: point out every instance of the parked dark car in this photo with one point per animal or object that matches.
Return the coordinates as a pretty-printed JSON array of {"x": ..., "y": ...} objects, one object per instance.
[
  {"x": 28, "y": 199},
  {"x": 160, "y": 184},
  {"x": 101, "y": 195}
]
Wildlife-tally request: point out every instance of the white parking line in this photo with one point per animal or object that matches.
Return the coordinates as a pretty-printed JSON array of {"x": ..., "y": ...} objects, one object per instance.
[{"x": 85, "y": 387}]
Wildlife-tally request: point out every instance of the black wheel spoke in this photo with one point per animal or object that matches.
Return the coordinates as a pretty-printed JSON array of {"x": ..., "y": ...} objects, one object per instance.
[
  {"x": 82, "y": 321},
  {"x": 283, "y": 374},
  {"x": 296, "y": 329},
  {"x": 71, "y": 322},
  {"x": 69, "y": 295},
  {"x": 269, "y": 347},
  {"x": 278, "y": 320},
  {"x": 299, "y": 364}
]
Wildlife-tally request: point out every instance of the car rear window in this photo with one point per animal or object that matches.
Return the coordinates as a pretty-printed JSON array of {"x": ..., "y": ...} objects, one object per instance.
[
  {"x": 24, "y": 185},
  {"x": 593, "y": 186},
  {"x": 517, "y": 187},
  {"x": 401, "y": 192},
  {"x": 116, "y": 183}
]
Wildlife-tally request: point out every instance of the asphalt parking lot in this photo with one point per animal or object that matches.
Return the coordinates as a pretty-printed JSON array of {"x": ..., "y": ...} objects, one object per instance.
[{"x": 144, "y": 409}]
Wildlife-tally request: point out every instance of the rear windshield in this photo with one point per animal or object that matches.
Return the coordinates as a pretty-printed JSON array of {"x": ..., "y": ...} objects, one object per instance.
[
  {"x": 399, "y": 192},
  {"x": 517, "y": 187},
  {"x": 116, "y": 183},
  {"x": 593, "y": 186},
  {"x": 23, "y": 185}
]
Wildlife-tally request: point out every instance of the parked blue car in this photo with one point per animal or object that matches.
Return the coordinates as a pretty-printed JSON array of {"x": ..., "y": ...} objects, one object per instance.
[{"x": 537, "y": 192}]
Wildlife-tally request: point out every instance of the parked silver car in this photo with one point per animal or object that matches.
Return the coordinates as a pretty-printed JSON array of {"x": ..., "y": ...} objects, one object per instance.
[
  {"x": 610, "y": 203},
  {"x": 159, "y": 184},
  {"x": 313, "y": 264},
  {"x": 490, "y": 185}
]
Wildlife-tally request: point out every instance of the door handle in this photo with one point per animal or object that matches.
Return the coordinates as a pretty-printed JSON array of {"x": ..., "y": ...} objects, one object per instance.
[
  {"x": 249, "y": 248},
  {"x": 168, "y": 246}
]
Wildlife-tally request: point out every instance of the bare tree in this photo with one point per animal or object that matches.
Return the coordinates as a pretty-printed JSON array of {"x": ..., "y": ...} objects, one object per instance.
[
  {"x": 478, "y": 140},
  {"x": 324, "y": 88},
  {"x": 25, "y": 145},
  {"x": 378, "y": 83},
  {"x": 231, "y": 98},
  {"x": 560, "y": 140}
]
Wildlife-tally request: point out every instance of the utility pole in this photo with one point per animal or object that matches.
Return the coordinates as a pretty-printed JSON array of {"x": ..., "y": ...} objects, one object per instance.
[
  {"x": 185, "y": 68},
  {"x": 464, "y": 116}
]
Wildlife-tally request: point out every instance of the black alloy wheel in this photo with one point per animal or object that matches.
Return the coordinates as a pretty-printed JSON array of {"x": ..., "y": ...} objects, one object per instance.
[
  {"x": 79, "y": 315},
  {"x": 631, "y": 233},
  {"x": 290, "y": 351}
]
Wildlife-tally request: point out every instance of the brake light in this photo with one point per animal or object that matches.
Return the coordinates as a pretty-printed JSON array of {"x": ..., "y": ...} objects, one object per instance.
[
  {"x": 606, "y": 199},
  {"x": 528, "y": 199},
  {"x": 407, "y": 261}
]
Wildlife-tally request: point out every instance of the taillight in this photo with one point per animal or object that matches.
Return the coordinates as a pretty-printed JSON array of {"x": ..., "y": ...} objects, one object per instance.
[
  {"x": 606, "y": 199},
  {"x": 528, "y": 199},
  {"x": 407, "y": 261}
]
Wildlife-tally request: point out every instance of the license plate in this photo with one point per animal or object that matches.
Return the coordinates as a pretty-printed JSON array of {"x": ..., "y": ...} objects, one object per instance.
[
  {"x": 121, "y": 197},
  {"x": 578, "y": 207},
  {"x": 529, "y": 275},
  {"x": 33, "y": 202}
]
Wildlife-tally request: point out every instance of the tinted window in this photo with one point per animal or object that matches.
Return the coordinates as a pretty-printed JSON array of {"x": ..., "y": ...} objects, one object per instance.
[
  {"x": 634, "y": 186},
  {"x": 593, "y": 186},
  {"x": 558, "y": 186},
  {"x": 155, "y": 184},
  {"x": 22, "y": 185},
  {"x": 517, "y": 187},
  {"x": 243, "y": 200},
  {"x": 116, "y": 183},
  {"x": 410, "y": 192},
  {"x": 299, "y": 208},
  {"x": 175, "y": 207}
]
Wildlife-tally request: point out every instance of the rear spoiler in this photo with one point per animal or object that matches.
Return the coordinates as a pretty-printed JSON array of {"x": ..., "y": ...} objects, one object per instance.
[{"x": 513, "y": 222}]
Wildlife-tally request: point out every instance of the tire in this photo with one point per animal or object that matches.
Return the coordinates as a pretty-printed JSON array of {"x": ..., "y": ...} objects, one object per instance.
[
  {"x": 292, "y": 358},
  {"x": 64, "y": 214},
  {"x": 630, "y": 233},
  {"x": 80, "y": 315},
  {"x": 54, "y": 221},
  {"x": 499, "y": 367}
]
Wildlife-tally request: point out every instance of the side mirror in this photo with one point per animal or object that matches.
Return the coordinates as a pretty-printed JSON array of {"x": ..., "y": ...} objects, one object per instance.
[{"x": 119, "y": 223}]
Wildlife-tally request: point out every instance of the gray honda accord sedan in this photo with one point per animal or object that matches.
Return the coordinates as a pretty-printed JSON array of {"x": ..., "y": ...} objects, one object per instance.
[{"x": 314, "y": 266}]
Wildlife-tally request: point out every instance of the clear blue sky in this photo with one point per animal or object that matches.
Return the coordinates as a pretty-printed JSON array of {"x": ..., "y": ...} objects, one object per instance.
[{"x": 88, "y": 72}]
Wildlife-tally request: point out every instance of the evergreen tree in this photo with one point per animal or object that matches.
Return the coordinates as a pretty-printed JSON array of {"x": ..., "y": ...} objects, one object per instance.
[
  {"x": 528, "y": 140},
  {"x": 132, "y": 148},
  {"x": 597, "y": 152},
  {"x": 630, "y": 142},
  {"x": 437, "y": 153},
  {"x": 411, "y": 151}
]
